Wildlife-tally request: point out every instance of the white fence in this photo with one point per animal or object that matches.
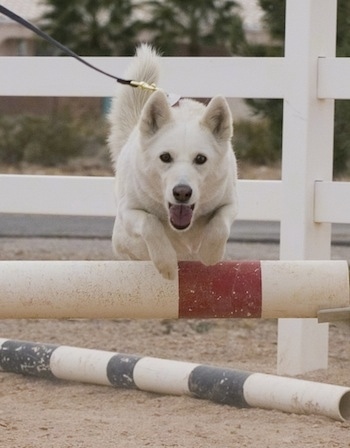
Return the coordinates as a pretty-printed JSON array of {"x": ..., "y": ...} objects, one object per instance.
[{"x": 306, "y": 201}]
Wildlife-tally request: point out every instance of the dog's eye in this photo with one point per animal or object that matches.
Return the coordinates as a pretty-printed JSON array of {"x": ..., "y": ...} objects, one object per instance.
[
  {"x": 200, "y": 159},
  {"x": 166, "y": 157}
]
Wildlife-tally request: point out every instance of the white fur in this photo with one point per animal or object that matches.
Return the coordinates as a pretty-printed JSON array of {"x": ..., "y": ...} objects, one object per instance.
[{"x": 143, "y": 127}]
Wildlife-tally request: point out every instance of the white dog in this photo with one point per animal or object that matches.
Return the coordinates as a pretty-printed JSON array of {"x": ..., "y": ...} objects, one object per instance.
[{"x": 175, "y": 174}]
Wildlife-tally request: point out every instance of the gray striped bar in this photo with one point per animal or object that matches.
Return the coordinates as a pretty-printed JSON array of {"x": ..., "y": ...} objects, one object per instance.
[{"x": 221, "y": 385}]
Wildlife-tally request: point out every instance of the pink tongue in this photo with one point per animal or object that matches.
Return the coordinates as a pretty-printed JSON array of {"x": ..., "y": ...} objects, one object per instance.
[{"x": 180, "y": 216}]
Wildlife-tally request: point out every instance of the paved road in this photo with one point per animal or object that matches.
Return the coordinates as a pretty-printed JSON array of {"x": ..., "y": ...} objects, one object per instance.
[{"x": 21, "y": 226}]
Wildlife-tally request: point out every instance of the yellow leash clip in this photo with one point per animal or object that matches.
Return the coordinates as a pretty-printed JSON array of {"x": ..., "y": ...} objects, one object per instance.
[
  {"x": 144, "y": 85},
  {"x": 172, "y": 98}
]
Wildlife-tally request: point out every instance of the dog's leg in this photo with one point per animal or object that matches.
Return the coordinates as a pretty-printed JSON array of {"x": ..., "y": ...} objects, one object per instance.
[
  {"x": 216, "y": 234},
  {"x": 142, "y": 224}
]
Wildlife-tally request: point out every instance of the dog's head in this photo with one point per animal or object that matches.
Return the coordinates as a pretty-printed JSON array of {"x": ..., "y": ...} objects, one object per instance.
[{"x": 184, "y": 155}]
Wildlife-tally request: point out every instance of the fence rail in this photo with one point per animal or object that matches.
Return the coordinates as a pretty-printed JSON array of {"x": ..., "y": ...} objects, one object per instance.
[{"x": 194, "y": 77}]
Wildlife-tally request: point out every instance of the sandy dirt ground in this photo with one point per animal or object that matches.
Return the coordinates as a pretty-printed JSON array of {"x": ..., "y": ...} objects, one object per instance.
[{"x": 41, "y": 413}]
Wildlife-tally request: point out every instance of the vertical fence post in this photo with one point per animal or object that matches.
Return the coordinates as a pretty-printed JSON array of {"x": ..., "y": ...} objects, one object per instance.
[{"x": 308, "y": 124}]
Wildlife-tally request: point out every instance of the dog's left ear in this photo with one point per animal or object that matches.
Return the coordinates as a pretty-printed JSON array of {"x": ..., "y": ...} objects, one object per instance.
[
  {"x": 155, "y": 114},
  {"x": 217, "y": 117}
]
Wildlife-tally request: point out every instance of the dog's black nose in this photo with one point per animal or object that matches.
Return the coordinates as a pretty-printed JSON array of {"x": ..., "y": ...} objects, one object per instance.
[{"x": 182, "y": 193}]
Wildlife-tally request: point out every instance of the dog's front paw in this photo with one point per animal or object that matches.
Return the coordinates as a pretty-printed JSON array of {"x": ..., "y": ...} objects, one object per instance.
[
  {"x": 167, "y": 267},
  {"x": 212, "y": 251},
  {"x": 164, "y": 259}
]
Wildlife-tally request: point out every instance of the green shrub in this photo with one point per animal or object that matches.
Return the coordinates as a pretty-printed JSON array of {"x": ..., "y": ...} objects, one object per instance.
[
  {"x": 11, "y": 140},
  {"x": 47, "y": 141},
  {"x": 342, "y": 137},
  {"x": 255, "y": 142}
]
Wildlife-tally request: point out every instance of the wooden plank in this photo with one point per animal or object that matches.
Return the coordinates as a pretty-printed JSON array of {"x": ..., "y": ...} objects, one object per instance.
[
  {"x": 307, "y": 156},
  {"x": 200, "y": 77},
  {"x": 93, "y": 196},
  {"x": 333, "y": 78},
  {"x": 57, "y": 195},
  {"x": 332, "y": 202}
]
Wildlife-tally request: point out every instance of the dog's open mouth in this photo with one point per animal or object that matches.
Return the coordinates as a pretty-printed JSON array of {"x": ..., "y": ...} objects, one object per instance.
[{"x": 180, "y": 215}]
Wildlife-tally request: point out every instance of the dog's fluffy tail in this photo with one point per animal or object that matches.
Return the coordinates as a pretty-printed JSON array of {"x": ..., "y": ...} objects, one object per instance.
[{"x": 129, "y": 101}]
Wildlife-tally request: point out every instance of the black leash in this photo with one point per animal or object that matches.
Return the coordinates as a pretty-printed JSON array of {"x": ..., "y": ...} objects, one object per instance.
[{"x": 11, "y": 15}]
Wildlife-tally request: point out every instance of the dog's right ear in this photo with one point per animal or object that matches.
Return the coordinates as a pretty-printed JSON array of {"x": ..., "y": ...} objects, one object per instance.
[{"x": 155, "y": 114}]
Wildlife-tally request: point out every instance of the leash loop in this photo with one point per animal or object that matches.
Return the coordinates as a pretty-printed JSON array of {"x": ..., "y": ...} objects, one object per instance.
[
  {"x": 172, "y": 98},
  {"x": 11, "y": 15}
]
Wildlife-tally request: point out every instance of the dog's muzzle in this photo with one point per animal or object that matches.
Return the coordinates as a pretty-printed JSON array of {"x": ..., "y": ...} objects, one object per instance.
[{"x": 181, "y": 212}]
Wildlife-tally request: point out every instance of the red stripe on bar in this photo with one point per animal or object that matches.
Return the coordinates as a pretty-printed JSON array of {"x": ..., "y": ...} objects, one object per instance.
[{"x": 228, "y": 289}]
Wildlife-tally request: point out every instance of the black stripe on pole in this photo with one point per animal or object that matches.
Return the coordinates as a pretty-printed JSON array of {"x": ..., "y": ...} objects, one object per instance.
[
  {"x": 27, "y": 358},
  {"x": 120, "y": 370},
  {"x": 223, "y": 386}
]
